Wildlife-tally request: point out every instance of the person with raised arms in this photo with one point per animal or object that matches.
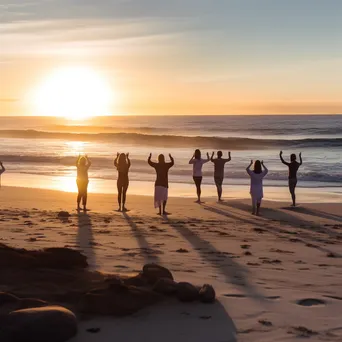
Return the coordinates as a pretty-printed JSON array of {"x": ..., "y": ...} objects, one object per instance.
[
  {"x": 161, "y": 186},
  {"x": 293, "y": 168},
  {"x": 256, "y": 189},
  {"x": 219, "y": 164}
]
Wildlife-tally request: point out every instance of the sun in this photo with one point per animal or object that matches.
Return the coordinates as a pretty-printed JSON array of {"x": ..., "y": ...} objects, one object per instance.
[{"x": 75, "y": 93}]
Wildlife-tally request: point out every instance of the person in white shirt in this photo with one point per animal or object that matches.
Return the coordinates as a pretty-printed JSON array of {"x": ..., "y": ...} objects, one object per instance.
[
  {"x": 197, "y": 163},
  {"x": 256, "y": 189}
]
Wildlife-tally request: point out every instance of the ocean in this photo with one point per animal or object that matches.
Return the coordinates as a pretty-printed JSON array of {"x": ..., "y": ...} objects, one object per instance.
[{"x": 41, "y": 151}]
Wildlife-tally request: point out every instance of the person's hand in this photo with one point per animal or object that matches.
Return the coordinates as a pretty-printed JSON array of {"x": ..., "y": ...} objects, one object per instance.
[
  {"x": 150, "y": 155},
  {"x": 300, "y": 155},
  {"x": 251, "y": 161},
  {"x": 170, "y": 156},
  {"x": 117, "y": 154},
  {"x": 212, "y": 155},
  {"x": 262, "y": 162},
  {"x": 229, "y": 154},
  {"x": 281, "y": 153},
  {"x": 127, "y": 155},
  {"x": 208, "y": 155}
]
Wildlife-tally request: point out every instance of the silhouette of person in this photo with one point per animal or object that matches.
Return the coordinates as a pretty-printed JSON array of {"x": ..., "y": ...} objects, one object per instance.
[
  {"x": 219, "y": 164},
  {"x": 161, "y": 186},
  {"x": 2, "y": 170},
  {"x": 83, "y": 164},
  {"x": 293, "y": 168},
  {"x": 197, "y": 163},
  {"x": 122, "y": 164},
  {"x": 256, "y": 189}
]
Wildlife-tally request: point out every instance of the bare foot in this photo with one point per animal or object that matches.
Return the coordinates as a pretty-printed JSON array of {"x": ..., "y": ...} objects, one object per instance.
[{"x": 165, "y": 213}]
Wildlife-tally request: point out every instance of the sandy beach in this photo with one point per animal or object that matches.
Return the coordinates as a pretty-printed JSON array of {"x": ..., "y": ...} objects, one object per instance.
[{"x": 277, "y": 277}]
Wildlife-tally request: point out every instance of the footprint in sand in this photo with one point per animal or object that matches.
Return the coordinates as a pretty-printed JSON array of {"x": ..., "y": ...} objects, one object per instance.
[{"x": 310, "y": 302}]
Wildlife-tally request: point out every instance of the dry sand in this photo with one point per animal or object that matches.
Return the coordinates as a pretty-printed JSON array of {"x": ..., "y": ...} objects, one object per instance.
[{"x": 277, "y": 277}]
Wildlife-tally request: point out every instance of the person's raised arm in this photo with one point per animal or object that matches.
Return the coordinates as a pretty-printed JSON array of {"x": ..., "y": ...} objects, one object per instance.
[
  {"x": 300, "y": 158},
  {"x": 282, "y": 159},
  {"x": 88, "y": 161},
  {"x": 116, "y": 159},
  {"x": 265, "y": 172},
  {"x": 206, "y": 160},
  {"x": 151, "y": 163},
  {"x": 78, "y": 160},
  {"x": 2, "y": 168},
  {"x": 212, "y": 157},
  {"x": 128, "y": 160},
  {"x": 248, "y": 168},
  {"x": 192, "y": 160},
  {"x": 172, "y": 160},
  {"x": 229, "y": 158}
]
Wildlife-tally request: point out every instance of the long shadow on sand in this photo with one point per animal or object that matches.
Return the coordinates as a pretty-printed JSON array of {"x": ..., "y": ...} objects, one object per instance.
[
  {"x": 316, "y": 213},
  {"x": 147, "y": 251},
  {"x": 233, "y": 272},
  {"x": 286, "y": 217},
  {"x": 85, "y": 239},
  {"x": 169, "y": 322},
  {"x": 272, "y": 215}
]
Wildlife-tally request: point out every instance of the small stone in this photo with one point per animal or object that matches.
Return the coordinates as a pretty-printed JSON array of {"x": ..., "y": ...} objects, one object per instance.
[
  {"x": 165, "y": 286},
  {"x": 154, "y": 272},
  {"x": 207, "y": 294},
  {"x": 187, "y": 292},
  {"x": 63, "y": 215},
  {"x": 182, "y": 250}
]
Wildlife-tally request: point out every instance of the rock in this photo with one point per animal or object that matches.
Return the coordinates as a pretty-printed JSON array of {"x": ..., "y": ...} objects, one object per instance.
[
  {"x": 57, "y": 258},
  {"x": 154, "y": 272},
  {"x": 63, "y": 215},
  {"x": 137, "y": 280},
  {"x": 122, "y": 301},
  {"x": 165, "y": 286},
  {"x": 207, "y": 294},
  {"x": 187, "y": 292},
  {"x": 7, "y": 298},
  {"x": 52, "y": 324},
  {"x": 64, "y": 258}
]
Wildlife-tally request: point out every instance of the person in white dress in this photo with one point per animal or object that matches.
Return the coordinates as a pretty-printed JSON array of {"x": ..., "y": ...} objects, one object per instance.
[
  {"x": 256, "y": 190},
  {"x": 197, "y": 163}
]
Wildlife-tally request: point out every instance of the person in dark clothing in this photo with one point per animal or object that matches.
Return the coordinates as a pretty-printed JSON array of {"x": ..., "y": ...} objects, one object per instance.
[
  {"x": 162, "y": 182},
  {"x": 219, "y": 164},
  {"x": 2, "y": 170},
  {"x": 122, "y": 163},
  {"x": 83, "y": 164},
  {"x": 293, "y": 168}
]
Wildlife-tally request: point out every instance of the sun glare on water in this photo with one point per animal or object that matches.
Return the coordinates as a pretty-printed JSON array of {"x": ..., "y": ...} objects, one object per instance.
[{"x": 75, "y": 93}]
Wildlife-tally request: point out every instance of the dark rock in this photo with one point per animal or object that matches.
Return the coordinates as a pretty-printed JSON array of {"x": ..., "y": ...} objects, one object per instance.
[
  {"x": 187, "y": 292},
  {"x": 52, "y": 324},
  {"x": 137, "y": 280},
  {"x": 165, "y": 286},
  {"x": 7, "y": 298},
  {"x": 118, "y": 302},
  {"x": 154, "y": 272},
  {"x": 63, "y": 215},
  {"x": 57, "y": 258},
  {"x": 207, "y": 294}
]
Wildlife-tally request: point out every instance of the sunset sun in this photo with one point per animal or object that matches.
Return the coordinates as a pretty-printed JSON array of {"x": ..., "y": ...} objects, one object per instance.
[{"x": 75, "y": 93}]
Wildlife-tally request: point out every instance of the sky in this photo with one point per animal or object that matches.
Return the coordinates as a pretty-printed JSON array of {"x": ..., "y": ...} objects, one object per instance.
[{"x": 179, "y": 56}]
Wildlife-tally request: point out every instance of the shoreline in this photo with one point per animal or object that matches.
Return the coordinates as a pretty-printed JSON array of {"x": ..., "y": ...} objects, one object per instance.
[{"x": 331, "y": 194}]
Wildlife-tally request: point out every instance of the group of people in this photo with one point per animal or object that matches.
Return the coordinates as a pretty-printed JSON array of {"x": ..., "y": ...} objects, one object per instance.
[{"x": 123, "y": 164}]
